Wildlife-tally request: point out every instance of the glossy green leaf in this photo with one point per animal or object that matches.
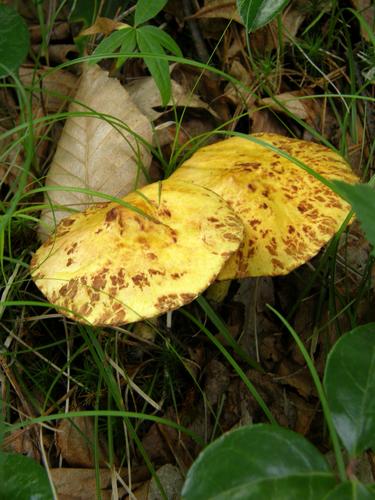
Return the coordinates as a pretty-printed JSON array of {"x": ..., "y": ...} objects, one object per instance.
[
  {"x": 158, "y": 67},
  {"x": 161, "y": 37},
  {"x": 362, "y": 199},
  {"x": 147, "y": 9},
  {"x": 14, "y": 40},
  {"x": 312, "y": 486},
  {"x": 257, "y": 13},
  {"x": 22, "y": 478},
  {"x": 258, "y": 460},
  {"x": 351, "y": 490},
  {"x": 349, "y": 382}
]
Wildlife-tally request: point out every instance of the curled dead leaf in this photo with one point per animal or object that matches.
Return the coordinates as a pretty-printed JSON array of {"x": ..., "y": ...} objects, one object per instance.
[
  {"x": 223, "y": 9},
  {"x": 146, "y": 95},
  {"x": 75, "y": 440},
  {"x": 102, "y": 25}
]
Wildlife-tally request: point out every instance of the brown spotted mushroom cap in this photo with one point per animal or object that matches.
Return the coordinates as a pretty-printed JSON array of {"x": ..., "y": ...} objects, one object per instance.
[
  {"x": 111, "y": 265},
  {"x": 288, "y": 214}
]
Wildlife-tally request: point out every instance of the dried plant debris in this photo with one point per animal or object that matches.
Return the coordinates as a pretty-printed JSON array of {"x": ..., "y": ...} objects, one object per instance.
[
  {"x": 102, "y": 151},
  {"x": 112, "y": 265},
  {"x": 145, "y": 94},
  {"x": 287, "y": 213},
  {"x": 75, "y": 438}
]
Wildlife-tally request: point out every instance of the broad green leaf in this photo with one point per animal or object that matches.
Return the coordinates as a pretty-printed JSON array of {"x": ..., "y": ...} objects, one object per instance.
[
  {"x": 257, "y": 459},
  {"x": 349, "y": 382},
  {"x": 362, "y": 199},
  {"x": 351, "y": 490},
  {"x": 128, "y": 45},
  {"x": 22, "y": 478},
  {"x": 115, "y": 40},
  {"x": 257, "y": 13},
  {"x": 161, "y": 37},
  {"x": 14, "y": 40},
  {"x": 312, "y": 486},
  {"x": 158, "y": 68},
  {"x": 147, "y": 9}
]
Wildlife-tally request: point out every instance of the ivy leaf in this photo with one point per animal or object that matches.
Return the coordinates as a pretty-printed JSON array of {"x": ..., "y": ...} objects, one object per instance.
[
  {"x": 259, "y": 461},
  {"x": 147, "y": 10},
  {"x": 350, "y": 386},
  {"x": 14, "y": 40},
  {"x": 257, "y": 13},
  {"x": 21, "y": 477},
  {"x": 159, "y": 68}
]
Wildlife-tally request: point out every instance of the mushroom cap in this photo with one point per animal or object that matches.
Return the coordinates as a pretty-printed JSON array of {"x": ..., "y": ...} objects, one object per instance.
[
  {"x": 111, "y": 265},
  {"x": 288, "y": 215}
]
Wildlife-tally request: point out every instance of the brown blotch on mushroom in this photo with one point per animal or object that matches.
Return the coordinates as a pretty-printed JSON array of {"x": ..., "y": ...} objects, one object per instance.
[
  {"x": 111, "y": 214},
  {"x": 140, "y": 280}
]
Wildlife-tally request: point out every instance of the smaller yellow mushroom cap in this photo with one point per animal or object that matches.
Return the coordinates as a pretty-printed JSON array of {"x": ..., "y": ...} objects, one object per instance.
[
  {"x": 111, "y": 265},
  {"x": 288, "y": 215}
]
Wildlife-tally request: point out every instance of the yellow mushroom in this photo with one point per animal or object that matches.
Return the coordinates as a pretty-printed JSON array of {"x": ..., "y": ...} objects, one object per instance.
[
  {"x": 288, "y": 214},
  {"x": 110, "y": 265}
]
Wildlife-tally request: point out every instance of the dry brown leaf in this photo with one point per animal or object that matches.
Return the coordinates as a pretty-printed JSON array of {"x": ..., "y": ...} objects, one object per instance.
[
  {"x": 292, "y": 375},
  {"x": 50, "y": 93},
  {"x": 103, "y": 25},
  {"x": 237, "y": 94},
  {"x": 264, "y": 120},
  {"x": 59, "y": 31},
  {"x": 92, "y": 153},
  {"x": 297, "y": 103},
  {"x": 75, "y": 439},
  {"x": 366, "y": 9},
  {"x": 155, "y": 446},
  {"x": 223, "y": 9},
  {"x": 217, "y": 381},
  {"x": 292, "y": 17},
  {"x": 80, "y": 484},
  {"x": 254, "y": 294},
  {"x": 57, "y": 53},
  {"x": 146, "y": 96},
  {"x": 50, "y": 89},
  {"x": 22, "y": 441},
  {"x": 241, "y": 407}
]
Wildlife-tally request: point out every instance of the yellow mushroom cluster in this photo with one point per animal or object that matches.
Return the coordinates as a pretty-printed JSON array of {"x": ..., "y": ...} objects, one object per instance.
[{"x": 235, "y": 209}]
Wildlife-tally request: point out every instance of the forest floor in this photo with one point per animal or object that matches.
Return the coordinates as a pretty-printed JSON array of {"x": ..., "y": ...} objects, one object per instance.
[{"x": 308, "y": 74}]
